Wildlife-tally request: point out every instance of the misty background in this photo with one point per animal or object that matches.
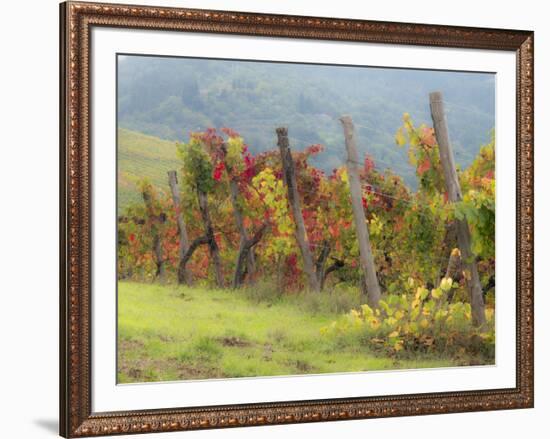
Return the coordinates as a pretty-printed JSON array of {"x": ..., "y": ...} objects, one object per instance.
[{"x": 170, "y": 97}]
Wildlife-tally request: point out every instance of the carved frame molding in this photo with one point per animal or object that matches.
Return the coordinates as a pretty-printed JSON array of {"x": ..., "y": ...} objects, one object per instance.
[{"x": 76, "y": 21}]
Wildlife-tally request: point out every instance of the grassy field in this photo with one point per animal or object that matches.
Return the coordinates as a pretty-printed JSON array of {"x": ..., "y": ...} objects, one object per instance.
[
  {"x": 175, "y": 333},
  {"x": 140, "y": 155}
]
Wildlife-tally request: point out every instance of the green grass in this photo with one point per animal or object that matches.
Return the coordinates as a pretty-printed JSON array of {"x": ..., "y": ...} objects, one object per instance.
[
  {"x": 173, "y": 333},
  {"x": 140, "y": 155}
]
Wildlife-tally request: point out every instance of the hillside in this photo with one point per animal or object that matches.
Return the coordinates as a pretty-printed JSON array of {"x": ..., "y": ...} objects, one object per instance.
[
  {"x": 169, "y": 97},
  {"x": 140, "y": 155}
]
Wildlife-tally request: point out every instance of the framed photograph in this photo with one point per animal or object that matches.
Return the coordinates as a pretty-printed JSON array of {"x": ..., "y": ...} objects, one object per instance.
[{"x": 271, "y": 219}]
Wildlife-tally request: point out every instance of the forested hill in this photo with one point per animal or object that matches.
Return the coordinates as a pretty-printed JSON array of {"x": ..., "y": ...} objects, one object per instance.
[{"x": 169, "y": 97}]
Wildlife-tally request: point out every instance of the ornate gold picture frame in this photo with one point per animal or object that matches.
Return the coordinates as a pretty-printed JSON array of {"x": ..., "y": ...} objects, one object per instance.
[{"x": 77, "y": 419}]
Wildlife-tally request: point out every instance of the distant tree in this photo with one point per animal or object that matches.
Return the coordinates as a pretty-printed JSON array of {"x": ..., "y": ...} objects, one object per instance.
[{"x": 190, "y": 94}]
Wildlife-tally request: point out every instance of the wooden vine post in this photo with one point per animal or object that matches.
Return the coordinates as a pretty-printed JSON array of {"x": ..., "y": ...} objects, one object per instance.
[
  {"x": 239, "y": 221},
  {"x": 209, "y": 235},
  {"x": 246, "y": 248},
  {"x": 245, "y": 256},
  {"x": 454, "y": 193},
  {"x": 155, "y": 221},
  {"x": 365, "y": 251},
  {"x": 184, "y": 276},
  {"x": 289, "y": 178}
]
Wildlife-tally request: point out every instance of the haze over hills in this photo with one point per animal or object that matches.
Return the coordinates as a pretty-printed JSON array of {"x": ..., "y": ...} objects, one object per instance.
[{"x": 169, "y": 97}]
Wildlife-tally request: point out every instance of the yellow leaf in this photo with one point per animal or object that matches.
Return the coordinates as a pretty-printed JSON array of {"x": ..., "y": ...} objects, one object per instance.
[
  {"x": 436, "y": 293},
  {"x": 424, "y": 323},
  {"x": 394, "y": 334},
  {"x": 400, "y": 137},
  {"x": 446, "y": 283},
  {"x": 344, "y": 176},
  {"x": 367, "y": 310},
  {"x": 421, "y": 293},
  {"x": 412, "y": 158},
  {"x": 414, "y": 139},
  {"x": 374, "y": 323}
]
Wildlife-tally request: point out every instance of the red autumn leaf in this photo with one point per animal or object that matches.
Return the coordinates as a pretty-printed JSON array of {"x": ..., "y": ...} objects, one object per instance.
[
  {"x": 218, "y": 171},
  {"x": 424, "y": 166},
  {"x": 132, "y": 237},
  {"x": 427, "y": 136},
  {"x": 292, "y": 260},
  {"x": 314, "y": 149},
  {"x": 229, "y": 132}
]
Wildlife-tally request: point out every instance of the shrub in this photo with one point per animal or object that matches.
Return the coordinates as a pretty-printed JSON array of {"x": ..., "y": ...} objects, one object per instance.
[{"x": 420, "y": 322}]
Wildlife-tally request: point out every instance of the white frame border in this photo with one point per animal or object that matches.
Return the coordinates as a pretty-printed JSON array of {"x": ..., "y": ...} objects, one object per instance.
[{"x": 108, "y": 396}]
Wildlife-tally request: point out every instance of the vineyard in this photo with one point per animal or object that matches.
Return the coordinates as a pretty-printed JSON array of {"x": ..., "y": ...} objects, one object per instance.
[{"x": 397, "y": 278}]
